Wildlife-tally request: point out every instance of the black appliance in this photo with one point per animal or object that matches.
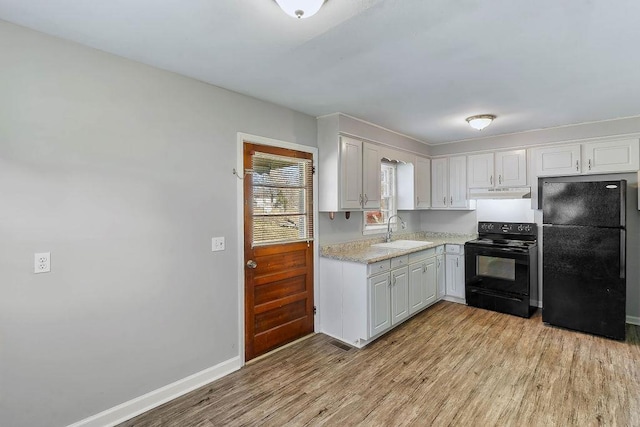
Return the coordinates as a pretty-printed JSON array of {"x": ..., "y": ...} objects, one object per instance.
[
  {"x": 501, "y": 268},
  {"x": 584, "y": 256}
]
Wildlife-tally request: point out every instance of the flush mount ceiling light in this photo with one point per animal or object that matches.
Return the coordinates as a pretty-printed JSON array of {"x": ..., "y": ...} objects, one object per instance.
[
  {"x": 300, "y": 8},
  {"x": 480, "y": 122}
]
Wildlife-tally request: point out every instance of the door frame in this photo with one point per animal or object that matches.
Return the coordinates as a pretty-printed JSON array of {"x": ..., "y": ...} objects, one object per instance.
[{"x": 241, "y": 138}]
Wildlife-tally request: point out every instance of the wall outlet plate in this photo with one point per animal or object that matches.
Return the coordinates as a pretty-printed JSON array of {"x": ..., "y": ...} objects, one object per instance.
[
  {"x": 42, "y": 262},
  {"x": 217, "y": 244}
]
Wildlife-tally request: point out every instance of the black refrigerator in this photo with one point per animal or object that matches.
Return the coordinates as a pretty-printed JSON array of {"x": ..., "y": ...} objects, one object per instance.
[{"x": 584, "y": 256}]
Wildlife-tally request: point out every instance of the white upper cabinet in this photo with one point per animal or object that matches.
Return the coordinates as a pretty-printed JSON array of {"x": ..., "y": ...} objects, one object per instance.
[
  {"x": 350, "y": 173},
  {"x": 458, "y": 182},
  {"x": 423, "y": 182},
  {"x": 359, "y": 175},
  {"x": 609, "y": 156},
  {"x": 511, "y": 168},
  {"x": 481, "y": 170},
  {"x": 439, "y": 183},
  {"x": 449, "y": 182},
  {"x": 370, "y": 176},
  {"x": 500, "y": 169},
  {"x": 562, "y": 160},
  {"x": 414, "y": 184}
]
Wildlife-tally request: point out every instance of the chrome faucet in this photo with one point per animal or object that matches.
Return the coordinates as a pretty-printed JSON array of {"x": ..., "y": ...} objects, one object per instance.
[{"x": 402, "y": 224}]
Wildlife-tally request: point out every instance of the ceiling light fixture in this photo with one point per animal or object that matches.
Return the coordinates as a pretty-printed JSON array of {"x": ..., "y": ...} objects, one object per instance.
[
  {"x": 300, "y": 8},
  {"x": 480, "y": 122}
]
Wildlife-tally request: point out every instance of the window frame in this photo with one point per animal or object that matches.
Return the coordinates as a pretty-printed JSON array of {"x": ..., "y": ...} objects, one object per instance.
[{"x": 382, "y": 228}]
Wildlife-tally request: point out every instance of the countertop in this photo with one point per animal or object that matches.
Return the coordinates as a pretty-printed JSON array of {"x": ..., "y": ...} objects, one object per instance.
[{"x": 361, "y": 251}]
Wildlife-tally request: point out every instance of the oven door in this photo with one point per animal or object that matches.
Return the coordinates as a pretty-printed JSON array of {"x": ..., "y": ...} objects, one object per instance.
[{"x": 495, "y": 270}]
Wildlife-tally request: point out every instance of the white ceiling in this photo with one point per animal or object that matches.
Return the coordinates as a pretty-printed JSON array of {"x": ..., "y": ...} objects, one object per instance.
[{"x": 419, "y": 67}]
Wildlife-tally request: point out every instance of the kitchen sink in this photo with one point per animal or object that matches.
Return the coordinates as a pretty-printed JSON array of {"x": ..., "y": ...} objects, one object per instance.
[{"x": 402, "y": 244}]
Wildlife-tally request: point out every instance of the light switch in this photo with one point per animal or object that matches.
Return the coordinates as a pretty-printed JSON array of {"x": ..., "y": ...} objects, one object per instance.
[{"x": 217, "y": 244}]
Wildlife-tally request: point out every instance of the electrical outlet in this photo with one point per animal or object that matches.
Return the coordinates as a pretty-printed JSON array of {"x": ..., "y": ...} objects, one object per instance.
[
  {"x": 217, "y": 244},
  {"x": 42, "y": 262}
]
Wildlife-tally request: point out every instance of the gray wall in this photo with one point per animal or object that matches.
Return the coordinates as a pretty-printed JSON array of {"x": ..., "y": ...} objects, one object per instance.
[{"x": 123, "y": 172}]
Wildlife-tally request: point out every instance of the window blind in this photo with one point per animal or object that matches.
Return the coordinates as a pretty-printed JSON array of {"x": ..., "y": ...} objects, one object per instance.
[{"x": 282, "y": 193}]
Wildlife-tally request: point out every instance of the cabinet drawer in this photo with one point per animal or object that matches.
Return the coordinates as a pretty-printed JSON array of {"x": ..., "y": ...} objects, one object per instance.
[
  {"x": 378, "y": 267},
  {"x": 400, "y": 261},
  {"x": 422, "y": 255},
  {"x": 454, "y": 249}
]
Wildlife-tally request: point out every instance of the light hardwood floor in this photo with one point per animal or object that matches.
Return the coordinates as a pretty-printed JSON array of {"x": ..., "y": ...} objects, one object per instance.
[{"x": 451, "y": 365}]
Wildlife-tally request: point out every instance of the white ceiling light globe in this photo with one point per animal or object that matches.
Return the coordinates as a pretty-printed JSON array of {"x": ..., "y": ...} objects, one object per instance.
[
  {"x": 480, "y": 122},
  {"x": 300, "y": 8}
]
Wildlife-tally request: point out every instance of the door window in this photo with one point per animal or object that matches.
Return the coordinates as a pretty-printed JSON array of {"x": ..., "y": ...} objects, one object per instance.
[{"x": 282, "y": 199}]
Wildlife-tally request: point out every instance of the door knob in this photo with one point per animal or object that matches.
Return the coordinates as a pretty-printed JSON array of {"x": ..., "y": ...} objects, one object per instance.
[{"x": 252, "y": 264}]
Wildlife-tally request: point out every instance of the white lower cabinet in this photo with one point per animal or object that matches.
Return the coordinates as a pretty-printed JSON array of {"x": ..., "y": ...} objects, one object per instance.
[
  {"x": 440, "y": 275},
  {"x": 454, "y": 259},
  {"x": 422, "y": 282},
  {"x": 359, "y": 302},
  {"x": 379, "y": 304},
  {"x": 399, "y": 295}
]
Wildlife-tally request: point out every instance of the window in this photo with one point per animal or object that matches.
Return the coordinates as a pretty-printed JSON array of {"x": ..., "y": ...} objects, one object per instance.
[
  {"x": 376, "y": 221},
  {"x": 282, "y": 199}
]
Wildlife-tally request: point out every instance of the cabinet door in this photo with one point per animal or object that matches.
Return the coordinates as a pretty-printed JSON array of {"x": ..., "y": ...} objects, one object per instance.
[
  {"x": 458, "y": 182},
  {"x": 610, "y": 156},
  {"x": 480, "y": 171},
  {"x": 430, "y": 282},
  {"x": 511, "y": 168},
  {"x": 553, "y": 161},
  {"x": 370, "y": 176},
  {"x": 439, "y": 183},
  {"x": 379, "y": 304},
  {"x": 350, "y": 173},
  {"x": 423, "y": 182},
  {"x": 454, "y": 278},
  {"x": 440, "y": 276},
  {"x": 399, "y": 295},
  {"x": 417, "y": 287}
]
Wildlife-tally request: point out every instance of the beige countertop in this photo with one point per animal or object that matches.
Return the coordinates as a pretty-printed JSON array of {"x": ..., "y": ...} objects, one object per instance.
[{"x": 361, "y": 251}]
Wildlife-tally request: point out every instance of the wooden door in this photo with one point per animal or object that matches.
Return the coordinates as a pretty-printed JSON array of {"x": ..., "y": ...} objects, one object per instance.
[{"x": 278, "y": 247}]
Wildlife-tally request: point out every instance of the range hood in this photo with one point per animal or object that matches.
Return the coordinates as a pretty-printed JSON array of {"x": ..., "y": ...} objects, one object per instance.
[{"x": 500, "y": 193}]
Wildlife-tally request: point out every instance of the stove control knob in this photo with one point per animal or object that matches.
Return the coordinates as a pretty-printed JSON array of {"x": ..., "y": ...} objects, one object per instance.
[{"x": 520, "y": 227}]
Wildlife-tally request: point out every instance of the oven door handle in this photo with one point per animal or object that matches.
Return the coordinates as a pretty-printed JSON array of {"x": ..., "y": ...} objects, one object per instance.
[
  {"x": 493, "y": 249},
  {"x": 494, "y": 294}
]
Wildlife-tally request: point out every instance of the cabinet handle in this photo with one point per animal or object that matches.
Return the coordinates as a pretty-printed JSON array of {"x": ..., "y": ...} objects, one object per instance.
[
  {"x": 577, "y": 167},
  {"x": 457, "y": 261},
  {"x": 366, "y": 199},
  {"x": 499, "y": 179},
  {"x": 424, "y": 268},
  {"x": 418, "y": 200},
  {"x": 491, "y": 179},
  {"x": 361, "y": 200},
  {"x": 451, "y": 201},
  {"x": 589, "y": 164},
  {"x": 389, "y": 282},
  {"x": 394, "y": 280},
  {"x": 444, "y": 200}
]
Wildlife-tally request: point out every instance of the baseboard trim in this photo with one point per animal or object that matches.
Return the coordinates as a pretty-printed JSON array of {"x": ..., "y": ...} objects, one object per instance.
[
  {"x": 633, "y": 320},
  {"x": 155, "y": 398}
]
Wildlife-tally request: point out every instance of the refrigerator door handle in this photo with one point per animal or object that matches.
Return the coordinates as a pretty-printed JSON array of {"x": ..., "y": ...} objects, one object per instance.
[{"x": 623, "y": 254}]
